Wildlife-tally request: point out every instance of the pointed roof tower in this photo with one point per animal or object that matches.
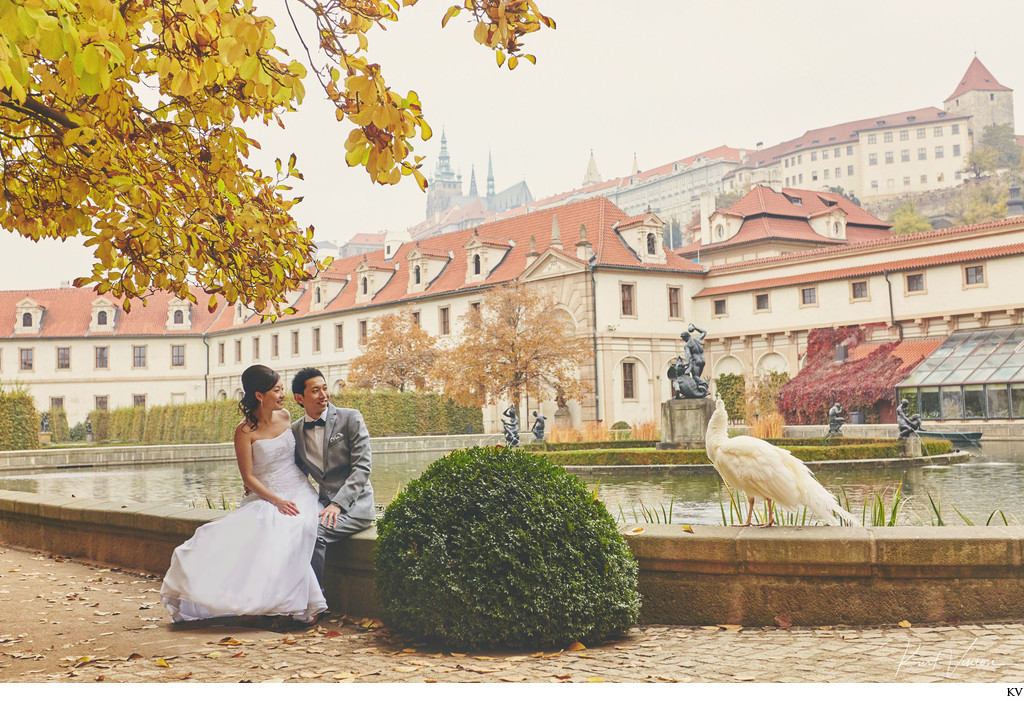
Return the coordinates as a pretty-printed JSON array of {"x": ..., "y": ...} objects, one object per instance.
[
  {"x": 472, "y": 181},
  {"x": 490, "y": 176},
  {"x": 977, "y": 77},
  {"x": 444, "y": 162},
  {"x": 592, "y": 177},
  {"x": 636, "y": 164}
]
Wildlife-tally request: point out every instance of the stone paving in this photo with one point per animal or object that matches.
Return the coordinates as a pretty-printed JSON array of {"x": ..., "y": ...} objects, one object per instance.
[{"x": 64, "y": 620}]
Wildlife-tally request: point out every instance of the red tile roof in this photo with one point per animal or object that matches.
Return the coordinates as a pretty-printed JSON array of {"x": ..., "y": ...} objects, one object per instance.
[
  {"x": 977, "y": 77},
  {"x": 910, "y": 352},
  {"x": 843, "y": 133},
  {"x": 374, "y": 239},
  {"x": 69, "y": 313},
  {"x": 1014, "y": 249}
]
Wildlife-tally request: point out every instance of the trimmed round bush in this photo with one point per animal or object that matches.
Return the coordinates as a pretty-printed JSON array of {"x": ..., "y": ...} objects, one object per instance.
[{"x": 493, "y": 547}]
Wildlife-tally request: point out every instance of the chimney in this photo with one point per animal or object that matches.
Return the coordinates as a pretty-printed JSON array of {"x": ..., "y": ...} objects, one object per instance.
[{"x": 707, "y": 208}]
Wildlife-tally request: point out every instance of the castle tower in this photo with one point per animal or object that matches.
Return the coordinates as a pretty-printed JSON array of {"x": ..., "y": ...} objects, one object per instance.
[
  {"x": 490, "y": 176},
  {"x": 472, "y": 181},
  {"x": 983, "y": 98},
  {"x": 592, "y": 177},
  {"x": 445, "y": 183}
]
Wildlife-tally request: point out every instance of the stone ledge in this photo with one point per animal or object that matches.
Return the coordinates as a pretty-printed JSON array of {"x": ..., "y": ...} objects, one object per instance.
[{"x": 815, "y": 575}]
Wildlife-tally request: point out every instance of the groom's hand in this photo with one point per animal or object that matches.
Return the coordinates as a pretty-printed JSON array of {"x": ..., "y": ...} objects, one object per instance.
[{"x": 329, "y": 516}]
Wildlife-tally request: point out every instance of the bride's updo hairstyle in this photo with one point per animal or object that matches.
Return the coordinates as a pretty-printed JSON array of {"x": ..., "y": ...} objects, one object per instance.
[{"x": 255, "y": 378}]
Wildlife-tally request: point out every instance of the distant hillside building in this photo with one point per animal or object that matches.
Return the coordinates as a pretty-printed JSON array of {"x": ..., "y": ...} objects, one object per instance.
[
  {"x": 362, "y": 243},
  {"x": 983, "y": 98}
]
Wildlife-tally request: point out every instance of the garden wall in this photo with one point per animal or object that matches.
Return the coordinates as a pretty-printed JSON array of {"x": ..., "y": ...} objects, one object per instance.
[{"x": 748, "y": 576}]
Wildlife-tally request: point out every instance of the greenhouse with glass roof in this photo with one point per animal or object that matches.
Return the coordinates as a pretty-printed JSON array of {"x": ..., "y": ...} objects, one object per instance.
[{"x": 975, "y": 374}]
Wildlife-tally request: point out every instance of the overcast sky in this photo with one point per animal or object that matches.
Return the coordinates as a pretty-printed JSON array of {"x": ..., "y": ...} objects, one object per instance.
[{"x": 659, "y": 78}]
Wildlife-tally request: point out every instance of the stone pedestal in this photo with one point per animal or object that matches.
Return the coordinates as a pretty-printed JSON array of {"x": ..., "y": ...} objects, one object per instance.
[
  {"x": 44, "y": 438},
  {"x": 684, "y": 423},
  {"x": 911, "y": 446}
]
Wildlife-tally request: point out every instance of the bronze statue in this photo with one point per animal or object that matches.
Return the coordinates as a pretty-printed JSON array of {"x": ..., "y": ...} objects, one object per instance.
[
  {"x": 538, "y": 426},
  {"x": 907, "y": 425},
  {"x": 511, "y": 427},
  {"x": 835, "y": 420},
  {"x": 686, "y": 374}
]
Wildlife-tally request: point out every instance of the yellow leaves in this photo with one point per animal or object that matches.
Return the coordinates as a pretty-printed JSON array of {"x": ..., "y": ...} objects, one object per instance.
[
  {"x": 161, "y": 662},
  {"x": 904, "y": 624},
  {"x": 577, "y": 646},
  {"x": 452, "y": 12}
]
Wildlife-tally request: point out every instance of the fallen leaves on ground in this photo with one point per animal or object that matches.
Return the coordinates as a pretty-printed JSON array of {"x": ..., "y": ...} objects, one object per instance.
[
  {"x": 904, "y": 624},
  {"x": 784, "y": 621},
  {"x": 576, "y": 646}
]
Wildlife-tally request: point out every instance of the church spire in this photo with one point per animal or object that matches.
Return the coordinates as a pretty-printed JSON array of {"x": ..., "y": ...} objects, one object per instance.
[
  {"x": 490, "y": 176},
  {"x": 592, "y": 177},
  {"x": 472, "y": 181},
  {"x": 636, "y": 165},
  {"x": 444, "y": 165}
]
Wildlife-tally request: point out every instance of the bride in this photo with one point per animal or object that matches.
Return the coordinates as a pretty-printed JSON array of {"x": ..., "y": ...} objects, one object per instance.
[{"x": 255, "y": 560}]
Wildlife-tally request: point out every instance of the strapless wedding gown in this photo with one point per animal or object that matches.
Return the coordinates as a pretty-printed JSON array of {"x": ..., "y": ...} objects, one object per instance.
[{"x": 255, "y": 560}]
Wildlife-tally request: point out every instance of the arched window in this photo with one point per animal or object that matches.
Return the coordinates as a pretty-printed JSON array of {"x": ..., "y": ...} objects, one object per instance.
[
  {"x": 719, "y": 232},
  {"x": 26, "y": 319},
  {"x": 365, "y": 287},
  {"x": 179, "y": 316},
  {"x": 651, "y": 246},
  {"x": 101, "y": 319},
  {"x": 835, "y": 228},
  {"x": 316, "y": 295},
  {"x": 476, "y": 264},
  {"x": 416, "y": 275}
]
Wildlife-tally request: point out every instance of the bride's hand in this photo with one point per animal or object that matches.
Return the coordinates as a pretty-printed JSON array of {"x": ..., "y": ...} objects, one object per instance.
[{"x": 288, "y": 508}]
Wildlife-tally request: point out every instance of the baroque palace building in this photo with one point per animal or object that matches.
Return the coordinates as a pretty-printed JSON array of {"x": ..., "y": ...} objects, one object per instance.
[{"x": 761, "y": 274}]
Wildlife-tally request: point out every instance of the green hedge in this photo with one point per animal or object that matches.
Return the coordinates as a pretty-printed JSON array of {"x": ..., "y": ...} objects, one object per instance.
[
  {"x": 588, "y": 445},
  {"x": 807, "y": 453},
  {"x": 19, "y": 422},
  {"x": 404, "y": 413},
  {"x": 59, "y": 430}
]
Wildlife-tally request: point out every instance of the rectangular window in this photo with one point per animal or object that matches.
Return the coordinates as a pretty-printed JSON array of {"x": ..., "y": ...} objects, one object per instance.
[
  {"x": 627, "y": 300},
  {"x": 26, "y": 358},
  {"x": 445, "y": 325},
  {"x": 475, "y": 307},
  {"x": 801, "y": 178},
  {"x": 220, "y": 352},
  {"x": 761, "y": 302},
  {"x": 938, "y": 152},
  {"x": 720, "y": 308},
  {"x": 178, "y": 356},
  {"x": 339, "y": 336},
  {"x": 921, "y": 133},
  {"x": 849, "y": 150},
  {"x": 849, "y": 170},
  {"x": 888, "y": 137},
  {"x": 904, "y": 135},
  {"x": 956, "y": 149},
  {"x": 814, "y": 155},
  {"x": 416, "y": 318},
  {"x": 954, "y": 129},
  {"x": 906, "y": 180},
  {"x": 102, "y": 357},
  {"x": 808, "y": 296},
  {"x": 674, "y": 310},
  {"x": 275, "y": 346},
  {"x": 938, "y": 131},
  {"x": 255, "y": 347},
  {"x": 362, "y": 332},
  {"x": 825, "y": 173},
  {"x": 139, "y": 400},
  {"x": 974, "y": 274},
  {"x": 814, "y": 175},
  {"x": 874, "y": 184},
  {"x": 628, "y": 386},
  {"x": 316, "y": 340},
  {"x": 824, "y": 155},
  {"x": 839, "y": 152},
  {"x": 238, "y": 350},
  {"x": 888, "y": 157},
  {"x": 922, "y": 154},
  {"x": 872, "y": 138},
  {"x": 138, "y": 356},
  {"x": 102, "y": 402},
  {"x": 905, "y": 155},
  {"x": 56, "y": 403},
  {"x": 787, "y": 181},
  {"x": 872, "y": 159},
  {"x": 63, "y": 358},
  {"x": 915, "y": 282},
  {"x": 859, "y": 289},
  {"x": 839, "y": 172},
  {"x": 924, "y": 179},
  {"x": 295, "y": 342}
]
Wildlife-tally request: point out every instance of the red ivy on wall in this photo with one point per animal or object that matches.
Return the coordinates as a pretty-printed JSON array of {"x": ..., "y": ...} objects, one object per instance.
[{"x": 858, "y": 385}]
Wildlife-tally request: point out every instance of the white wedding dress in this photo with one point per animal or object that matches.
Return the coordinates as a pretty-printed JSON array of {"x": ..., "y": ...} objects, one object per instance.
[{"x": 256, "y": 560}]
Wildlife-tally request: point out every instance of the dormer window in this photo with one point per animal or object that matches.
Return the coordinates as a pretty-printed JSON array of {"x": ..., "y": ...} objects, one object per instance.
[
  {"x": 651, "y": 245},
  {"x": 364, "y": 285},
  {"x": 179, "y": 317},
  {"x": 476, "y": 264},
  {"x": 416, "y": 275},
  {"x": 101, "y": 319},
  {"x": 316, "y": 296},
  {"x": 26, "y": 320},
  {"x": 835, "y": 228},
  {"x": 719, "y": 232}
]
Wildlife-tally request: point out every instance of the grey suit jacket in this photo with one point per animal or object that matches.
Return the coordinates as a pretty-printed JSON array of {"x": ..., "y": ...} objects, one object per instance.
[{"x": 345, "y": 479}]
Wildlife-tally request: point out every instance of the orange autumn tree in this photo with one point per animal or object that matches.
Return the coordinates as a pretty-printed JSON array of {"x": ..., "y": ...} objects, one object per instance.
[
  {"x": 518, "y": 344},
  {"x": 399, "y": 355},
  {"x": 124, "y": 123}
]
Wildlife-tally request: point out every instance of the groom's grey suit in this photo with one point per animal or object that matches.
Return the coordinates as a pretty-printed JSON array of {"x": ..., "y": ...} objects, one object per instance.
[{"x": 342, "y": 469}]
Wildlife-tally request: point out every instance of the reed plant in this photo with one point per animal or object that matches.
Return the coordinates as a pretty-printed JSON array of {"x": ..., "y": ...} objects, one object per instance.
[
  {"x": 648, "y": 430},
  {"x": 768, "y": 426}
]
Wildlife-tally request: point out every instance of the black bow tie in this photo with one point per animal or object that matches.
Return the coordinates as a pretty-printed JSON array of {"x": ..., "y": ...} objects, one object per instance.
[{"x": 311, "y": 424}]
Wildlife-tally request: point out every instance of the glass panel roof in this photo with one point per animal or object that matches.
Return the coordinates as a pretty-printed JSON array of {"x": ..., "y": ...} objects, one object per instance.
[{"x": 982, "y": 356}]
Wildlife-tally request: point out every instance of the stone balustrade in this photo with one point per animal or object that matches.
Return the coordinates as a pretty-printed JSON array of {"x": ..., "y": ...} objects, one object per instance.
[{"x": 811, "y": 575}]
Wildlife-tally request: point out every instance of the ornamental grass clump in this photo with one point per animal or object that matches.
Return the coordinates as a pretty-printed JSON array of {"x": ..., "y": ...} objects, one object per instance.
[{"x": 493, "y": 547}]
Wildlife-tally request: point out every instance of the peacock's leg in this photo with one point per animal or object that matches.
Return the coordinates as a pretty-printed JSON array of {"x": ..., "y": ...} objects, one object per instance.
[
  {"x": 771, "y": 514},
  {"x": 750, "y": 514}
]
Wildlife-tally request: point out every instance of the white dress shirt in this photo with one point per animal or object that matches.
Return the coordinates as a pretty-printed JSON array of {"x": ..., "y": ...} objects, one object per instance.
[{"x": 314, "y": 441}]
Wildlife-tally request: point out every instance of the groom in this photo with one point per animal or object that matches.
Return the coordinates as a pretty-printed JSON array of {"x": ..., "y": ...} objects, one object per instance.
[{"x": 332, "y": 446}]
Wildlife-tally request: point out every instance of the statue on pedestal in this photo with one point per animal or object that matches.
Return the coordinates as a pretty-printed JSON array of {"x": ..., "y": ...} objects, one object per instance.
[
  {"x": 835, "y": 420},
  {"x": 907, "y": 425},
  {"x": 538, "y": 426},
  {"x": 685, "y": 373},
  {"x": 511, "y": 427},
  {"x": 44, "y": 424}
]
